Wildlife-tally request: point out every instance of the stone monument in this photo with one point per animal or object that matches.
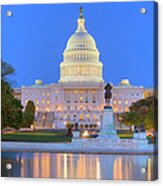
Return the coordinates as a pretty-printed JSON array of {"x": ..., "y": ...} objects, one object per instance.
[
  {"x": 140, "y": 137},
  {"x": 108, "y": 130},
  {"x": 76, "y": 132}
]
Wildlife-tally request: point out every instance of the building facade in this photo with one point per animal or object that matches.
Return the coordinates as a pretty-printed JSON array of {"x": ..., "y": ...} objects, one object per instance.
[
  {"x": 124, "y": 95},
  {"x": 78, "y": 97}
]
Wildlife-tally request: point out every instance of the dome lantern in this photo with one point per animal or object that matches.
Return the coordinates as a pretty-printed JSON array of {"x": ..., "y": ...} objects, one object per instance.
[{"x": 81, "y": 22}]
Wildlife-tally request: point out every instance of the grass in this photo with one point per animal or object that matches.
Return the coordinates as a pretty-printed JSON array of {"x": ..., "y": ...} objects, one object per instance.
[
  {"x": 150, "y": 139},
  {"x": 125, "y": 135},
  {"x": 52, "y": 136},
  {"x": 37, "y": 136}
]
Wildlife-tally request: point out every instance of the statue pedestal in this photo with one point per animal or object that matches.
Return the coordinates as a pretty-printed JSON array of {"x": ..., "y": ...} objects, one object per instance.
[
  {"x": 108, "y": 130},
  {"x": 76, "y": 134},
  {"x": 141, "y": 140},
  {"x": 140, "y": 136}
]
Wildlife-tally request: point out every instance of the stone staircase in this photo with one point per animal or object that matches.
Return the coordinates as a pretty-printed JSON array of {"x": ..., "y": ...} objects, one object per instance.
[{"x": 45, "y": 120}]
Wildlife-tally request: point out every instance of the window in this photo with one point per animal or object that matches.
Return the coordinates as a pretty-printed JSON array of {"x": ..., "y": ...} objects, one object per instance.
[
  {"x": 94, "y": 117},
  {"x": 48, "y": 102},
  {"x": 119, "y": 102},
  {"x": 88, "y": 116},
  {"x": 126, "y": 102},
  {"x": 114, "y": 102},
  {"x": 86, "y": 99},
  {"x": 75, "y": 91},
  {"x": 126, "y": 109},
  {"x": 81, "y": 99},
  {"x": 47, "y": 109},
  {"x": 43, "y": 101},
  {"x": 94, "y": 99},
  {"x": 48, "y": 94},
  {"x": 37, "y": 102},
  {"x": 81, "y": 117}
]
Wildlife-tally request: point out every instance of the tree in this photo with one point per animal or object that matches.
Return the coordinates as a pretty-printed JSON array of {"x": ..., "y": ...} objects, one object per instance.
[
  {"x": 144, "y": 111},
  {"x": 29, "y": 114},
  {"x": 130, "y": 118},
  {"x": 11, "y": 108},
  {"x": 150, "y": 121},
  {"x": 18, "y": 115},
  {"x": 6, "y": 70},
  {"x": 6, "y": 103}
]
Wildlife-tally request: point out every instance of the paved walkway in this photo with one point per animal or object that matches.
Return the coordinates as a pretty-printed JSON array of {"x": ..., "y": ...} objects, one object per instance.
[{"x": 68, "y": 148}]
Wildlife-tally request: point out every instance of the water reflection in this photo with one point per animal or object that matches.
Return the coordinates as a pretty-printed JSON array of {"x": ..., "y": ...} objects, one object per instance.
[{"x": 88, "y": 166}]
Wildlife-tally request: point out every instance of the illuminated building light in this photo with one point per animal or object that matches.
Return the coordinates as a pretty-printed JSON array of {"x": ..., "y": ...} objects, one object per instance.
[
  {"x": 75, "y": 91},
  {"x": 88, "y": 116},
  {"x": 47, "y": 109},
  {"x": 126, "y": 102},
  {"x": 85, "y": 134}
]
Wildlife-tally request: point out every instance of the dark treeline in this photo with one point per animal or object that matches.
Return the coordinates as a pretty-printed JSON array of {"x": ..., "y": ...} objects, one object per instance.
[{"x": 12, "y": 114}]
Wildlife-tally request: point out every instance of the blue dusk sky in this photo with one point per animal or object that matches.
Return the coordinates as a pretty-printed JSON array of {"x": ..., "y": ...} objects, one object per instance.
[{"x": 35, "y": 36}]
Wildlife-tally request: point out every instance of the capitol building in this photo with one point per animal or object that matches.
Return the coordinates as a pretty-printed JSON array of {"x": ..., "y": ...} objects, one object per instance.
[{"x": 78, "y": 97}]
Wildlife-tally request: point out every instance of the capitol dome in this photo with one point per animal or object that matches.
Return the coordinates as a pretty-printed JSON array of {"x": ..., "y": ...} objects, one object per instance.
[
  {"x": 81, "y": 57},
  {"x": 81, "y": 41}
]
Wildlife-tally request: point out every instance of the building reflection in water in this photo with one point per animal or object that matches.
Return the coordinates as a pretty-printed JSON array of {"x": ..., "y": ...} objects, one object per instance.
[{"x": 83, "y": 166}]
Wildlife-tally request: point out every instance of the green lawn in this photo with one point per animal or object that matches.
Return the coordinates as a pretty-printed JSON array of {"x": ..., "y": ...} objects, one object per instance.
[
  {"x": 130, "y": 136},
  {"x": 125, "y": 135},
  {"x": 37, "y": 136},
  {"x": 51, "y": 136}
]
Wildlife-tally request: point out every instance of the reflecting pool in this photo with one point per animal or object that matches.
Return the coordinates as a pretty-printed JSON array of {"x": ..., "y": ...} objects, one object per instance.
[{"x": 82, "y": 166}]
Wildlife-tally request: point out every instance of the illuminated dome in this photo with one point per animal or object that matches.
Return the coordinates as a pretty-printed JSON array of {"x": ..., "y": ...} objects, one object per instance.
[
  {"x": 81, "y": 57},
  {"x": 125, "y": 82},
  {"x": 81, "y": 41}
]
